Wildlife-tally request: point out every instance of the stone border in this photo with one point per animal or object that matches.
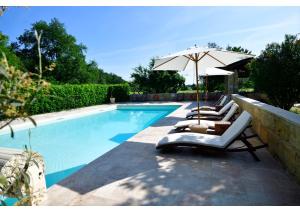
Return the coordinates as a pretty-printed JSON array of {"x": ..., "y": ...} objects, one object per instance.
[
  {"x": 277, "y": 127},
  {"x": 48, "y": 118},
  {"x": 211, "y": 96}
]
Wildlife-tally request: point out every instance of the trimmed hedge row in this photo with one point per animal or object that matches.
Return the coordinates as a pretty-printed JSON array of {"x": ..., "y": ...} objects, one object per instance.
[{"x": 64, "y": 97}]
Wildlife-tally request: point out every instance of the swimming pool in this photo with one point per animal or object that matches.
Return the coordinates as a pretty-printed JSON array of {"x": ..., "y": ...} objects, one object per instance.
[{"x": 68, "y": 145}]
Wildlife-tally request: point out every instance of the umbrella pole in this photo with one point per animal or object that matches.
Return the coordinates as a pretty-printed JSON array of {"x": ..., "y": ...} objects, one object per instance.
[
  {"x": 197, "y": 86},
  {"x": 206, "y": 88}
]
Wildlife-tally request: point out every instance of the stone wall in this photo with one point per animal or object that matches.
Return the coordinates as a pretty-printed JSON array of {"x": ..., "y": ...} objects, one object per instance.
[
  {"x": 258, "y": 96},
  {"x": 211, "y": 96},
  {"x": 277, "y": 127}
]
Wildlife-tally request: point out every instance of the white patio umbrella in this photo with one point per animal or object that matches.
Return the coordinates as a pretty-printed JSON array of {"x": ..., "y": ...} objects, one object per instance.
[
  {"x": 198, "y": 59},
  {"x": 214, "y": 72}
]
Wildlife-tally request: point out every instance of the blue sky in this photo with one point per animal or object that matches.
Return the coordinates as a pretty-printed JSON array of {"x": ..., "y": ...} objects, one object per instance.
[{"x": 120, "y": 38}]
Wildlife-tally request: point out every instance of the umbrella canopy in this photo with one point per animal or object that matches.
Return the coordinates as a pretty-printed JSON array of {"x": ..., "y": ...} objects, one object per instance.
[
  {"x": 198, "y": 59},
  {"x": 214, "y": 72},
  {"x": 205, "y": 57}
]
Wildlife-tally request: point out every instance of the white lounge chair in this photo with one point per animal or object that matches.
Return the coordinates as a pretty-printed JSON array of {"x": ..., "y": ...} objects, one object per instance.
[
  {"x": 233, "y": 133},
  {"x": 181, "y": 125},
  {"x": 219, "y": 113},
  {"x": 221, "y": 101}
]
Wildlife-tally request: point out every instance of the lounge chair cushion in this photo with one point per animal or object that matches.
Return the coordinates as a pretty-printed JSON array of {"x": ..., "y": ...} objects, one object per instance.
[
  {"x": 198, "y": 139},
  {"x": 220, "y": 102},
  {"x": 186, "y": 123},
  {"x": 231, "y": 112},
  {"x": 237, "y": 127},
  {"x": 208, "y": 123},
  {"x": 224, "y": 99},
  {"x": 202, "y": 112},
  {"x": 193, "y": 139},
  {"x": 213, "y": 113},
  {"x": 204, "y": 108}
]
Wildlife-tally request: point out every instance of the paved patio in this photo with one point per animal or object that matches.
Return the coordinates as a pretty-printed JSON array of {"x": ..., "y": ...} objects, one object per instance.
[{"x": 135, "y": 173}]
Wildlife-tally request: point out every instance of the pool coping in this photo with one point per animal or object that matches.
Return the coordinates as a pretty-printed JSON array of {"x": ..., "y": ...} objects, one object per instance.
[{"x": 54, "y": 117}]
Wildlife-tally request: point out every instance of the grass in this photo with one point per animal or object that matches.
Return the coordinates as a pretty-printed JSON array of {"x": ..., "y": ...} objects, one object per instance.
[
  {"x": 135, "y": 92},
  {"x": 188, "y": 91},
  {"x": 185, "y": 91},
  {"x": 246, "y": 89},
  {"x": 295, "y": 110},
  {"x": 240, "y": 90}
]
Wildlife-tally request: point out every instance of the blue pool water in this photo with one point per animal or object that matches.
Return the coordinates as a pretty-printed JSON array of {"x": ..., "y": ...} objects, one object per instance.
[{"x": 70, "y": 144}]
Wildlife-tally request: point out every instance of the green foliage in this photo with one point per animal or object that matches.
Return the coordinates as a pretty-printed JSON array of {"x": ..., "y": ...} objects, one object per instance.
[
  {"x": 213, "y": 45},
  {"x": 64, "y": 97},
  {"x": 6, "y": 49},
  {"x": 18, "y": 90},
  {"x": 57, "y": 47},
  {"x": 229, "y": 48},
  {"x": 295, "y": 110},
  {"x": 15, "y": 179},
  {"x": 238, "y": 49},
  {"x": 249, "y": 84},
  {"x": 277, "y": 72},
  {"x": 111, "y": 78},
  {"x": 214, "y": 83},
  {"x": 118, "y": 91},
  {"x": 146, "y": 80},
  {"x": 62, "y": 49}
]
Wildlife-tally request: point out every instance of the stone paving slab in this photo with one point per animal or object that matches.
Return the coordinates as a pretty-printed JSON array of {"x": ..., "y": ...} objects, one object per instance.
[{"x": 135, "y": 173}]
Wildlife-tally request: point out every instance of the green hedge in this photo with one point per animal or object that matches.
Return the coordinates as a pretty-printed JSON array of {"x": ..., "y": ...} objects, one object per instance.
[
  {"x": 64, "y": 97},
  {"x": 118, "y": 91}
]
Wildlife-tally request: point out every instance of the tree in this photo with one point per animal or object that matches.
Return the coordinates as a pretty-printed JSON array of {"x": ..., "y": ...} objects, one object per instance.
[
  {"x": 61, "y": 48},
  {"x": 140, "y": 78},
  {"x": 146, "y": 80},
  {"x": 238, "y": 49},
  {"x": 97, "y": 75},
  {"x": 213, "y": 45},
  {"x": 229, "y": 48},
  {"x": 6, "y": 49},
  {"x": 276, "y": 72},
  {"x": 111, "y": 78},
  {"x": 57, "y": 47}
]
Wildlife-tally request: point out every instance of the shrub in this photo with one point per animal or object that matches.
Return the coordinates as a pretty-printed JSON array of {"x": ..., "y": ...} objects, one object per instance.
[
  {"x": 118, "y": 91},
  {"x": 64, "y": 97},
  {"x": 276, "y": 71}
]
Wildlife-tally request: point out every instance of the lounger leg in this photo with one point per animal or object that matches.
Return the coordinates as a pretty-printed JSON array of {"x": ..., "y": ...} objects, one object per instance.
[{"x": 250, "y": 149}]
